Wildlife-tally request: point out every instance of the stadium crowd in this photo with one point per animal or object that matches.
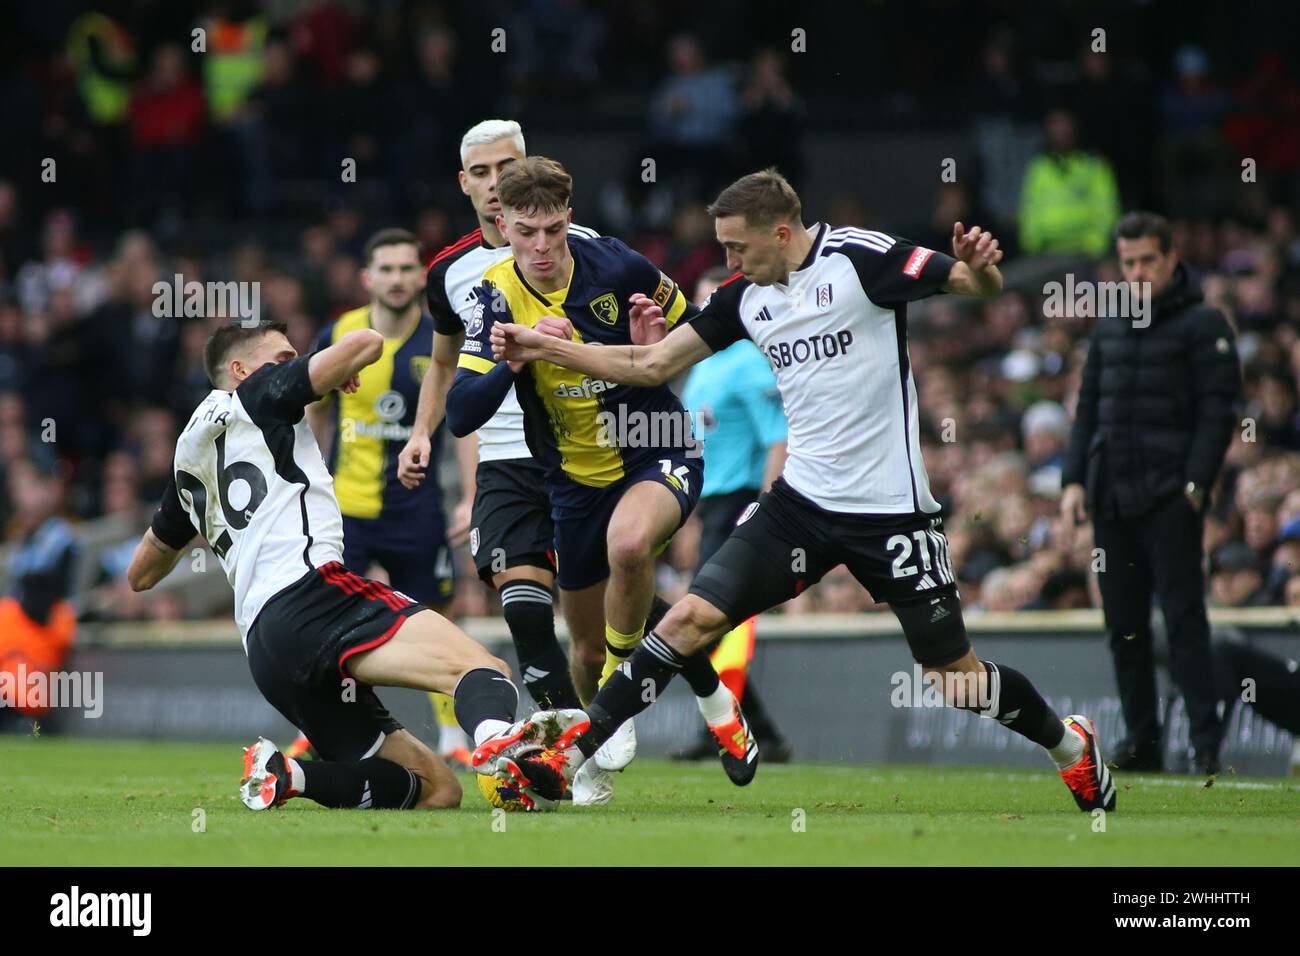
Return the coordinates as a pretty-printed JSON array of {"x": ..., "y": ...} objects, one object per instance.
[{"x": 158, "y": 146}]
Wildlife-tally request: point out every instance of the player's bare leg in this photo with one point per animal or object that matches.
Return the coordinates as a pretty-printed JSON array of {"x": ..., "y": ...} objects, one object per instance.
[
  {"x": 645, "y": 519},
  {"x": 584, "y": 612},
  {"x": 454, "y": 745},
  {"x": 427, "y": 652}
]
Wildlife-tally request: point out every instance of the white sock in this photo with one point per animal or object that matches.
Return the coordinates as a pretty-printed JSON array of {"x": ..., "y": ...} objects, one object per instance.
[
  {"x": 486, "y": 729},
  {"x": 452, "y": 738},
  {"x": 716, "y": 708},
  {"x": 1069, "y": 751},
  {"x": 297, "y": 781}
]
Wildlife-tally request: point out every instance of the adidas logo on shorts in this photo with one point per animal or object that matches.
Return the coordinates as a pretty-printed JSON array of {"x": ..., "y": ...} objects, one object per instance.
[{"x": 473, "y": 541}]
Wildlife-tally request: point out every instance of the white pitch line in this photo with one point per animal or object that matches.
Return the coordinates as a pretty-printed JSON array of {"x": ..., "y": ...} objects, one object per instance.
[{"x": 1171, "y": 781}]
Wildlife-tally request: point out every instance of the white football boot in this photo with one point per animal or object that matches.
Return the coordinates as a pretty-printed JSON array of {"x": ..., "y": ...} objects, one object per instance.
[
  {"x": 592, "y": 786},
  {"x": 619, "y": 750}
]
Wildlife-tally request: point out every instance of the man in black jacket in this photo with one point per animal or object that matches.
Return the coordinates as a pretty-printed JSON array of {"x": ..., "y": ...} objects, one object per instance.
[{"x": 1152, "y": 425}]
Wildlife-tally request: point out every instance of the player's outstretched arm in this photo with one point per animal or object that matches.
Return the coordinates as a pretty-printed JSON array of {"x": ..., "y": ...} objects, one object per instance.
[
  {"x": 641, "y": 365},
  {"x": 976, "y": 270},
  {"x": 153, "y": 560},
  {"x": 335, "y": 366}
]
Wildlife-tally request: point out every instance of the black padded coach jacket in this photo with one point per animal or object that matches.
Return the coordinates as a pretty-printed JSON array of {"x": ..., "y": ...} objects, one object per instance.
[{"x": 1157, "y": 405}]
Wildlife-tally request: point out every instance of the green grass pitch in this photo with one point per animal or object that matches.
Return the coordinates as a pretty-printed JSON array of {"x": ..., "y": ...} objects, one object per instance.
[{"x": 91, "y": 803}]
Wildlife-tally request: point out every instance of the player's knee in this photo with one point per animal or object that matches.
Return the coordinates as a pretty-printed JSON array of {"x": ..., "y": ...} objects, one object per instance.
[
  {"x": 629, "y": 549},
  {"x": 481, "y": 657},
  {"x": 692, "y": 622}
]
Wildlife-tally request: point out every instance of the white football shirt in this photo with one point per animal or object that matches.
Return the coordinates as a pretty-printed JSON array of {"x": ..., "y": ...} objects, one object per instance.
[
  {"x": 249, "y": 477},
  {"x": 836, "y": 336}
]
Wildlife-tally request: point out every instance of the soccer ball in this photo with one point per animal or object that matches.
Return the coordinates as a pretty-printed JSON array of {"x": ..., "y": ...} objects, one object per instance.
[{"x": 500, "y": 795}]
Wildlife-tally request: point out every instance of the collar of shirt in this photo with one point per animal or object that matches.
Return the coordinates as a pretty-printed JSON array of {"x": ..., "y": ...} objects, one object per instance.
[{"x": 790, "y": 287}]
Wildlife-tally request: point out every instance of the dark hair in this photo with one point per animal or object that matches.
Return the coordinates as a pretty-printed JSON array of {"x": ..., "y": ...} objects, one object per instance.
[
  {"x": 1139, "y": 225},
  {"x": 229, "y": 337},
  {"x": 391, "y": 237},
  {"x": 764, "y": 199},
  {"x": 535, "y": 184}
]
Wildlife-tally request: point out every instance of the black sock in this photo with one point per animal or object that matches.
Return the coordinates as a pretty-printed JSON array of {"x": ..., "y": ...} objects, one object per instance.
[
  {"x": 529, "y": 612},
  {"x": 658, "y": 608},
  {"x": 697, "y": 670},
  {"x": 1016, "y": 704},
  {"x": 699, "y": 673},
  {"x": 484, "y": 694},
  {"x": 371, "y": 784},
  {"x": 653, "y": 664}
]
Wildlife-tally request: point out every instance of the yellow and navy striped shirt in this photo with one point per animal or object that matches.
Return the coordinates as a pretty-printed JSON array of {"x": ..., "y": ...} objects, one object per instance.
[
  {"x": 373, "y": 423},
  {"x": 561, "y": 406}
]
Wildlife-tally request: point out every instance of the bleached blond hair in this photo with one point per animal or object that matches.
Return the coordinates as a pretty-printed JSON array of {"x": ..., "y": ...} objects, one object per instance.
[{"x": 489, "y": 131}]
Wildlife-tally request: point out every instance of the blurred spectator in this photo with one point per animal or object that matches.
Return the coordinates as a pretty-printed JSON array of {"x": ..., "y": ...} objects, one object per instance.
[
  {"x": 693, "y": 117},
  {"x": 1004, "y": 103},
  {"x": 1192, "y": 110},
  {"x": 167, "y": 115},
  {"x": 236, "y": 38},
  {"x": 1115, "y": 112},
  {"x": 555, "y": 46},
  {"x": 1046, "y": 431},
  {"x": 1237, "y": 577},
  {"x": 1265, "y": 121},
  {"x": 1069, "y": 202},
  {"x": 772, "y": 118},
  {"x": 323, "y": 35},
  {"x": 36, "y": 622}
]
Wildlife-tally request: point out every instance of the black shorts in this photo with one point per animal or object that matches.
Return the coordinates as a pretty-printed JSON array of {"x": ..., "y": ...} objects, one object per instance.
[
  {"x": 420, "y": 566},
  {"x": 784, "y": 543},
  {"x": 510, "y": 525},
  {"x": 718, "y": 515},
  {"x": 297, "y": 648}
]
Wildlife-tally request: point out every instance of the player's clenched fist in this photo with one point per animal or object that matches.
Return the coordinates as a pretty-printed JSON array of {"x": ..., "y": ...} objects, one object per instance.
[
  {"x": 516, "y": 344},
  {"x": 555, "y": 325},
  {"x": 414, "y": 460}
]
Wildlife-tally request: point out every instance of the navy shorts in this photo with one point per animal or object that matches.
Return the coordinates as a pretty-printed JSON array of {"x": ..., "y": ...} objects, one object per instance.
[
  {"x": 582, "y": 514},
  {"x": 419, "y": 564}
]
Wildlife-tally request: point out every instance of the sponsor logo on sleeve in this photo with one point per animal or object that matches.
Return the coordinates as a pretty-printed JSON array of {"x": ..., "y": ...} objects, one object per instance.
[
  {"x": 474, "y": 326},
  {"x": 916, "y": 262},
  {"x": 664, "y": 291}
]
